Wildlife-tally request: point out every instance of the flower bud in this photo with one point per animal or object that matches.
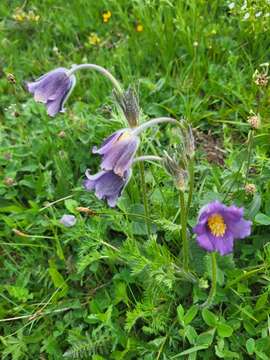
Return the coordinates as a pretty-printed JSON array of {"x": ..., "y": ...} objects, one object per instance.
[
  {"x": 62, "y": 134},
  {"x": 250, "y": 189},
  {"x": 68, "y": 220},
  {"x": 254, "y": 121},
  {"x": 11, "y": 78},
  {"x": 8, "y": 181},
  {"x": 178, "y": 174},
  {"x": 261, "y": 77},
  {"x": 129, "y": 104}
]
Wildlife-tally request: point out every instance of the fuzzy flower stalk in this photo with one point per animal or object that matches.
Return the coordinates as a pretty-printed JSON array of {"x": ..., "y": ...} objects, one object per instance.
[{"x": 182, "y": 172}]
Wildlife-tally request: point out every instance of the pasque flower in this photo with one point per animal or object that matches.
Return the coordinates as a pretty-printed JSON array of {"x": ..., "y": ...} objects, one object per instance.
[
  {"x": 53, "y": 89},
  {"x": 107, "y": 185},
  {"x": 219, "y": 225},
  {"x": 118, "y": 151}
]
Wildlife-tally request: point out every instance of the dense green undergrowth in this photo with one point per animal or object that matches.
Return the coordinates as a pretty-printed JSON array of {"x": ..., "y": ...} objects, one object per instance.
[{"x": 105, "y": 288}]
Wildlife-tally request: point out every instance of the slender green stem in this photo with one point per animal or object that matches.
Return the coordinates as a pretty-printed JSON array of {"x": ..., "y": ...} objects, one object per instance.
[
  {"x": 250, "y": 143},
  {"x": 213, "y": 289},
  {"x": 234, "y": 181},
  {"x": 144, "y": 194},
  {"x": 191, "y": 183},
  {"x": 184, "y": 231}
]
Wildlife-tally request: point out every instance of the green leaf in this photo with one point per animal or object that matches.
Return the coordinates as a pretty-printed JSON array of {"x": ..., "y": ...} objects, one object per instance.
[
  {"x": 120, "y": 293},
  {"x": 180, "y": 313},
  {"x": 206, "y": 338},
  {"x": 254, "y": 207},
  {"x": 71, "y": 205},
  {"x": 250, "y": 345},
  {"x": 224, "y": 330},
  {"x": 190, "y": 315},
  {"x": 261, "y": 301},
  {"x": 262, "y": 219},
  {"x": 58, "y": 280},
  {"x": 190, "y": 351},
  {"x": 209, "y": 318},
  {"x": 191, "y": 334}
]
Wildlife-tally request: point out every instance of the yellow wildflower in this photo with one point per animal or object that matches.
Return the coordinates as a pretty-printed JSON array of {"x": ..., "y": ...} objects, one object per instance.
[
  {"x": 19, "y": 15},
  {"x": 93, "y": 39},
  {"x": 106, "y": 16},
  {"x": 139, "y": 28}
]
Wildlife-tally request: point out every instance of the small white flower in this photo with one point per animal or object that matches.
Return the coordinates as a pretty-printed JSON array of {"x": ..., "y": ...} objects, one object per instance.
[
  {"x": 231, "y": 5},
  {"x": 258, "y": 14},
  {"x": 246, "y": 16},
  {"x": 244, "y": 5}
]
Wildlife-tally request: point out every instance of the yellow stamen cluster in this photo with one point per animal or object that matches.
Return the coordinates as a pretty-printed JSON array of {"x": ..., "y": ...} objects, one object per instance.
[
  {"x": 126, "y": 135},
  {"x": 106, "y": 16},
  {"x": 216, "y": 225}
]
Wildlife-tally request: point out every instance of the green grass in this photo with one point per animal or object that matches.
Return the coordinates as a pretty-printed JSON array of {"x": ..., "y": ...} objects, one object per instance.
[{"x": 105, "y": 289}]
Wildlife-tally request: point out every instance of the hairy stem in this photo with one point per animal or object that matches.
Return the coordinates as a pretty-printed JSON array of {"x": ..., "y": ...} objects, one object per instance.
[
  {"x": 250, "y": 143},
  {"x": 154, "y": 122},
  {"x": 147, "y": 158},
  {"x": 144, "y": 194},
  {"x": 212, "y": 292},
  {"x": 191, "y": 183},
  {"x": 101, "y": 70},
  {"x": 183, "y": 215}
]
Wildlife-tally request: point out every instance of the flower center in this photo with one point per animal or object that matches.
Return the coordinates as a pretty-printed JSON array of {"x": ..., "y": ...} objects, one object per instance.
[
  {"x": 126, "y": 135},
  {"x": 217, "y": 225}
]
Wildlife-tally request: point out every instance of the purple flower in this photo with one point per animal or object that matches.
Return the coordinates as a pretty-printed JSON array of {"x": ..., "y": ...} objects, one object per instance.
[
  {"x": 68, "y": 220},
  {"x": 53, "y": 89},
  {"x": 219, "y": 225},
  {"x": 107, "y": 185},
  {"x": 118, "y": 151}
]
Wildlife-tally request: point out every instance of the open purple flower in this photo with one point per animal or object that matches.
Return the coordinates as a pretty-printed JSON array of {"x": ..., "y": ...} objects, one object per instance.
[
  {"x": 107, "y": 185},
  {"x": 118, "y": 151},
  {"x": 219, "y": 225},
  {"x": 53, "y": 89}
]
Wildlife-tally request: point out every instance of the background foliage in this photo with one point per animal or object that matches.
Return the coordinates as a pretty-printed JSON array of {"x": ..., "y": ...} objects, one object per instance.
[{"x": 104, "y": 289}]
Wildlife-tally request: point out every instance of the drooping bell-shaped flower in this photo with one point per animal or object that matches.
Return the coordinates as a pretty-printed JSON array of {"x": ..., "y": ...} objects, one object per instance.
[
  {"x": 219, "y": 225},
  {"x": 118, "y": 151},
  {"x": 107, "y": 185},
  {"x": 53, "y": 89}
]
